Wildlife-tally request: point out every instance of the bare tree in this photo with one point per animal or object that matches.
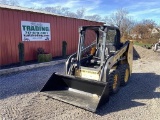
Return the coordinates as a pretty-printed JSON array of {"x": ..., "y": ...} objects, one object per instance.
[
  {"x": 5, "y": 2},
  {"x": 150, "y": 24},
  {"x": 80, "y": 12},
  {"x": 51, "y": 9},
  {"x": 72, "y": 14},
  {"x": 116, "y": 18},
  {"x": 65, "y": 11},
  {"x": 120, "y": 19},
  {"x": 56, "y": 10},
  {"x": 93, "y": 17},
  {"x": 13, "y": 2},
  {"x": 10, "y": 2},
  {"x": 126, "y": 26},
  {"x": 60, "y": 10}
]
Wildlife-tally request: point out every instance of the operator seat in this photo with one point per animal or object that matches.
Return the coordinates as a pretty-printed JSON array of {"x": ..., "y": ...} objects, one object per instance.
[{"x": 97, "y": 56}]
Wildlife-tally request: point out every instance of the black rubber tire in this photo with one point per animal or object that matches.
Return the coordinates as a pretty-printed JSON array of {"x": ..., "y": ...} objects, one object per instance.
[
  {"x": 111, "y": 82},
  {"x": 122, "y": 69}
]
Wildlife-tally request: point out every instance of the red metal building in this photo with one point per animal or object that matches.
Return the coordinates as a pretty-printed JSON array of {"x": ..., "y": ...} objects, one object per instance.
[{"x": 62, "y": 28}]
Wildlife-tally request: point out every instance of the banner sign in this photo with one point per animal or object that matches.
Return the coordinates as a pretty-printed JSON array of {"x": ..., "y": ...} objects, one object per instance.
[{"x": 35, "y": 31}]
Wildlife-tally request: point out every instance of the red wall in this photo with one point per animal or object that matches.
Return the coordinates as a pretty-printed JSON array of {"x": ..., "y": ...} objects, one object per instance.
[{"x": 62, "y": 28}]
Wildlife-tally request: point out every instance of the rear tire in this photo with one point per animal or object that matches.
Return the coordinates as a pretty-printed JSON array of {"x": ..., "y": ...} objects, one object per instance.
[
  {"x": 114, "y": 82},
  {"x": 125, "y": 74}
]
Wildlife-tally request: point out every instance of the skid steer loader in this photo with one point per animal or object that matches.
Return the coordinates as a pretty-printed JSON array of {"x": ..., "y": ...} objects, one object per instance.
[{"x": 102, "y": 63}]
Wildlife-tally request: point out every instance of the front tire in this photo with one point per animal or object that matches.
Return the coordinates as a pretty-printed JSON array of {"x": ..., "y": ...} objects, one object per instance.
[
  {"x": 114, "y": 82},
  {"x": 125, "y": 74}
]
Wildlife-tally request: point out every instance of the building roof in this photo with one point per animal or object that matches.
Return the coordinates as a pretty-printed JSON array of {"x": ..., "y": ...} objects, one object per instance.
[{"x": 39, "y": 11}]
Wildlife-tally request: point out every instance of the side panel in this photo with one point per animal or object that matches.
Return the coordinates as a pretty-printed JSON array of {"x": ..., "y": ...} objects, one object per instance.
[
  {"x": 130, "y": 56},
  {"x": 113, "y": 60},
  {"x": 119, "y": 54}
]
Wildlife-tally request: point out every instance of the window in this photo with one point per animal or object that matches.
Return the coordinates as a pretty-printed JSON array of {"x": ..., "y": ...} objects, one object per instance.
[
  {"x": 111, "y": 37},
  {"x": 88, "y": 42}
]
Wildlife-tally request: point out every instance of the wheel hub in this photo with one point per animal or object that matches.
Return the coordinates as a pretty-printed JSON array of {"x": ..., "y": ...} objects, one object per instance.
[
  {"x": 126, "y": 75},
  {"x": 115, "y": 80}
]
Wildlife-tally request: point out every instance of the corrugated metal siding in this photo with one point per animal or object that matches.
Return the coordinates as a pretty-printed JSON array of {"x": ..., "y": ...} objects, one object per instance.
[
  {"x": 62, "y": 28},
  {"x": 1, "y": 36}
]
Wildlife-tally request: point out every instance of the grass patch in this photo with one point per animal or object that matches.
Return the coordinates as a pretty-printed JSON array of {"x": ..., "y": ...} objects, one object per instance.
[{"x": 142, "y": 44}]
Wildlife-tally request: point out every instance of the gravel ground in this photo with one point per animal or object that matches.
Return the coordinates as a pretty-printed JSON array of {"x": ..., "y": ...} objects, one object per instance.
[{"x": 140, "y": 99}]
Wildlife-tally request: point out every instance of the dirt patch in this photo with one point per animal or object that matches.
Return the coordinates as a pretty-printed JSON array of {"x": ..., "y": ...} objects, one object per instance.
[{"x": 143, "y": 53}]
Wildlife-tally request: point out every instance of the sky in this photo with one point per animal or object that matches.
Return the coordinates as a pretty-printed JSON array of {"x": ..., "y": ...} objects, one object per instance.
[{"x": 138, "y": 9}]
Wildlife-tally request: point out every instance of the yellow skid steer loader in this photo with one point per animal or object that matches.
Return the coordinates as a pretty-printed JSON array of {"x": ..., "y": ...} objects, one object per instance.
[{"x": 101, "y": 64}]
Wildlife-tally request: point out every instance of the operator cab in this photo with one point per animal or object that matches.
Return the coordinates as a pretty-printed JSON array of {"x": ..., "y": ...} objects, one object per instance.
[{"x": 97, "y": 44}]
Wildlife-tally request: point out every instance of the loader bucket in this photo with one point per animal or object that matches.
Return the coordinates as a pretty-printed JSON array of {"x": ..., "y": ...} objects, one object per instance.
[{"x": 84, "y": 93}]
